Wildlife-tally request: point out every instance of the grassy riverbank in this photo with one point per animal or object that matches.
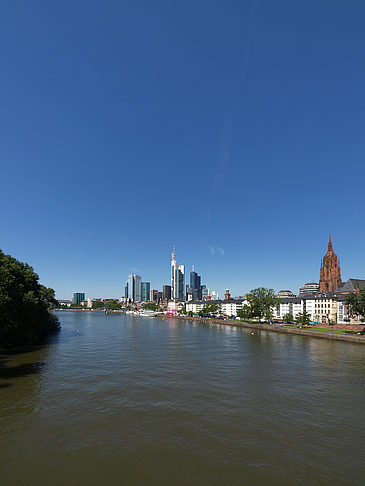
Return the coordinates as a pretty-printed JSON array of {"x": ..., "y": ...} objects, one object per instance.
[{"x": 326, "y": 333}]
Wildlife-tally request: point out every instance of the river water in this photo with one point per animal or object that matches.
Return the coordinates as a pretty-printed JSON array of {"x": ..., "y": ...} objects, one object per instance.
[{"x": 127, "y": 400}]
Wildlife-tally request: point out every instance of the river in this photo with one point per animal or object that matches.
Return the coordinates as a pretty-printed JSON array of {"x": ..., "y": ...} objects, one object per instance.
[{"x": 127, "y": 400}]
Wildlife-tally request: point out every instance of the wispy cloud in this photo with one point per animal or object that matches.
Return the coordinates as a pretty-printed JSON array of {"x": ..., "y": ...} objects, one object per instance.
[{"x": 214, "y": 249}]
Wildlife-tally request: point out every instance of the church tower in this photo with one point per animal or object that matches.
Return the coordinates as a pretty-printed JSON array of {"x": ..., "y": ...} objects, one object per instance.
[{"x": 330, "y": 274}]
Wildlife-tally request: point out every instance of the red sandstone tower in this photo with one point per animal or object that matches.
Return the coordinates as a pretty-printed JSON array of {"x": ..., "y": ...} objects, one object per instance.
[
  {"x": 227, "y": 295},
  {"x": 330, "y": 275}
]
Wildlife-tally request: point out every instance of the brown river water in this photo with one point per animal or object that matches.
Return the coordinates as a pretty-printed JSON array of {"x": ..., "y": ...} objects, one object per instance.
[{"x": 127, "y": 400}]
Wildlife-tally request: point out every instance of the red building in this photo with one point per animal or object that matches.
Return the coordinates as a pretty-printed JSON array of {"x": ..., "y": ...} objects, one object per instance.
[{"x": 330, "y": 274}]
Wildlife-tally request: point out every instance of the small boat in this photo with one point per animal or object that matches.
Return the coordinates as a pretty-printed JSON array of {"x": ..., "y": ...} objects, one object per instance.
[{"x": 147, "y": 313}]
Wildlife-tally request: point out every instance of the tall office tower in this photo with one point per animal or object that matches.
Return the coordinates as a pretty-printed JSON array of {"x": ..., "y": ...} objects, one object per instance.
[
  {"x": 134, "y": 288},
  {"x": 205, "y": 292},
  {"x": 195, "y": 285},
  {"x": 126, "y": 290},
  {"x": 145, "y": 291},
  {"x": 177, "y": 279},
  {"x": 166, "y": 292},
  {"x": 78, "y": 297},
  {"x": 155, "y": 295}
]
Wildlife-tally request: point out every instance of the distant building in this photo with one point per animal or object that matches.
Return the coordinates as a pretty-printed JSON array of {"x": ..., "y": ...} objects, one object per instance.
[
  {"x": 77, "y": 298},
  {"x": 134, "y": 285},
  {"x": 227, "y": 295},
  {"x": 309, "y": 288},
  {"x": 330, "y": 274},
  {"x": 166, "y": 292},
  {"x": 195, "y": 288},
  {"x": 177, "y": 279},
  {"x": 64, "y": 302},
  {"x": 205, "y": 292},
  {"x": 145, "y": 291},
  {"x": 285, "y": 293},
  {"x": 155, "y": 296}
]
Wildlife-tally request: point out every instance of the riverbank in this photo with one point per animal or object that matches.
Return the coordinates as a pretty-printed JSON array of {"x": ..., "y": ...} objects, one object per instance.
[{"x": 311, "y": 332}]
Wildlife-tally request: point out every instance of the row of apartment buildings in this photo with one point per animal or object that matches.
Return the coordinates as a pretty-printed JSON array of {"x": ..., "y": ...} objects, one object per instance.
[{"x": 323, "y": 307}]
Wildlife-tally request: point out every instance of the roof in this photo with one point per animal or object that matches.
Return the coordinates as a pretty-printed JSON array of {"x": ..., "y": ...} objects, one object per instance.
[{"x": 351, "y": 285}]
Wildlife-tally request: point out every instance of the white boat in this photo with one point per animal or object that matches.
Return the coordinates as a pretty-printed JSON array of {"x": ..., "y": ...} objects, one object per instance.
[{"x": 147, "y": 313}]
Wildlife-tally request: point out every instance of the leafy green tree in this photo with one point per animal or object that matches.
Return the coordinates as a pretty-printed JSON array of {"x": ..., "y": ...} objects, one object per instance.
[
  {"x": 288, "y": 317},
  {"x": 261, "y": 301},
  {"x": 210, "y": 308},
  {"x": 355, "y": 303},
  {"x": 113, "y": 305},
  {"x": 25, "y": 304},
  {"x": 303, "y": 318},
  {"x": 183, "y": 309},
  {"x": 245, "y": 312},
  {"x": 98, "y": 304}
]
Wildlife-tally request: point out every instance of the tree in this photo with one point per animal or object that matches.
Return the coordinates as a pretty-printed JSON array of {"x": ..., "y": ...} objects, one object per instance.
[
  {"x": 113, "y": 305},
  {"x": 261, "y": 302},
  {"x": 183, "y": 309},
  {"x": 98, "y": 304},
  {"x": 303, "y": 318},
  {"x": 288, "y": 317},
  {"x": 355, "y": 303},
  {"x": 210, "y": 308},
  {"x": 25, "y": 304},
  {"x": 245, "y": 312}
]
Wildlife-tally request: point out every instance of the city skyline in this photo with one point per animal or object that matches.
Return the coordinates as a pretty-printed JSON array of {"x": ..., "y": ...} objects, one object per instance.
[{"x": 187, "y": 288}]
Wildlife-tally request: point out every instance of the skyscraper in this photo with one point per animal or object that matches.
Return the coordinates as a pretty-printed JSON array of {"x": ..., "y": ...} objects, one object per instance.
[
  {"x": 134, "y": 288},
  {"x": 166, "y": 292},
  {"x": 145, "y": 291},
  {"x": 177, "y": 279},
  {"x": 78, "y": 297},
  {"x": 195, "y": 285}
]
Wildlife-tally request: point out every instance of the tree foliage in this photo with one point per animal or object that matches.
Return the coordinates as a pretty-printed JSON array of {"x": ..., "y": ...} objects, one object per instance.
[
  {"x": 355, "y": 302},
  {"x": 113, "y": 305},
  {"x": 260, "y": 304},
  {"x": 288, "y": 317},
  {"x": 303, "y": 318},
  {"x": 25, "y": 304},
  {"x": 210, "y": 308}
]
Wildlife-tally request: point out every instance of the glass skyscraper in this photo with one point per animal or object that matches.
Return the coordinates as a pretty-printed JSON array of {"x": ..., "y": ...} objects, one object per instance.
[
  {"x": 177, "y": 279},
  {"x": 145, "y": 291},
  {"x": 134, "y": 285}
]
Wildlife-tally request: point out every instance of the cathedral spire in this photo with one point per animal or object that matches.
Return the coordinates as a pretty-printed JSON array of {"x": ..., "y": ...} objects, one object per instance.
[{"x": 330, "y": 274}]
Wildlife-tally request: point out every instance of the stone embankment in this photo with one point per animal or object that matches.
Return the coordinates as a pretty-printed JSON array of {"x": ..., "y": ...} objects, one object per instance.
[{"x": 311, "y": 332}]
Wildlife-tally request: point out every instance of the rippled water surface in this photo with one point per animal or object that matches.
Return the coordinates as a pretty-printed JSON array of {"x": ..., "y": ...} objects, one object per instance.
[{"x": 126, "y": 400}]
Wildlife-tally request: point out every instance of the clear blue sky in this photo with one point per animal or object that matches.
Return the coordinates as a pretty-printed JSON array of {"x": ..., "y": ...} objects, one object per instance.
[{"x": 232, "y": 129}]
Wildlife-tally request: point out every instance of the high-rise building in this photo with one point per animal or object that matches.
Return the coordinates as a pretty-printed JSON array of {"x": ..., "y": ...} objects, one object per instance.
[
  {"x": 330, "y": 274},
  {"x": 177, "y": 279},
  {"x": 195, "y": 285},
  {"x": 166, "y": 292},
  {"x": 126, "y": 291},
  {"x": 134, "y": 288},
  {"x": 145, "y": 291},
  {"x": 155, "y": 295},
  {"x": 205, "y": 292},
  {"x": 78, "y": 297}
]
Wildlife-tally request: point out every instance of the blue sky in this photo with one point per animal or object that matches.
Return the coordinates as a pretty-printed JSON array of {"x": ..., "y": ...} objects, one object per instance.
[{"x": 233, "y": 130}]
